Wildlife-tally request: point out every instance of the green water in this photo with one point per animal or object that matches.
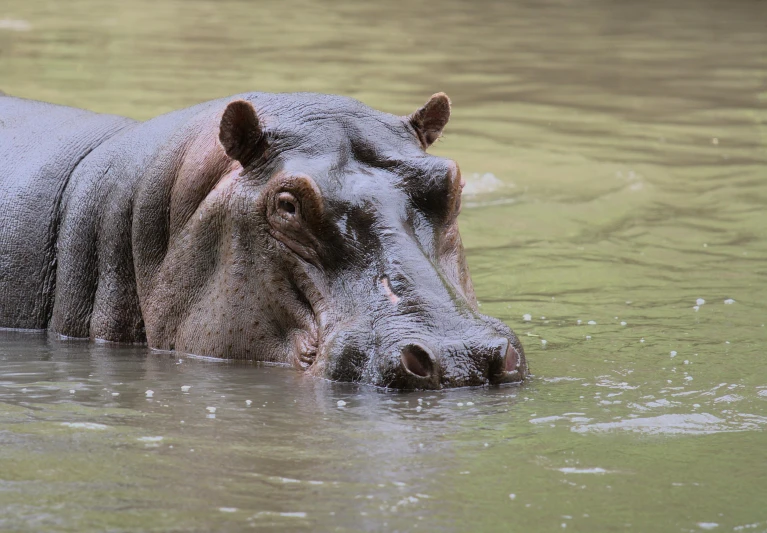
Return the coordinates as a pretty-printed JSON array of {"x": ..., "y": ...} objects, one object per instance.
[{"x": 616, "y": 154}]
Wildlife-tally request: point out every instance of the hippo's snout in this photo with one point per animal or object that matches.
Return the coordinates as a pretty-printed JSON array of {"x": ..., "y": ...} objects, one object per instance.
[{"x": 421, "y": 365}]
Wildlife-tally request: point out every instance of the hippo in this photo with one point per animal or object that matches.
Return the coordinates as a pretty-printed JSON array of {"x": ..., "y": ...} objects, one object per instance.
[{"x": 301, "y": 229}]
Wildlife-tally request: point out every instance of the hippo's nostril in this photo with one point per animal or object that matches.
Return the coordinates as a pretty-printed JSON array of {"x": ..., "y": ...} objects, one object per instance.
[
  {"x": 508, "y": 366},
  {"x": 512, "y": 358},
  {"x": 417, "y": 361}
]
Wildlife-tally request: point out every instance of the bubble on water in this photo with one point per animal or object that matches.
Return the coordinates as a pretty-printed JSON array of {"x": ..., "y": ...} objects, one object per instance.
[
  {"x": 729, "y": 301},
  {"x": 340, "y": 403},
  {"x": 185, "y": 388},
  {"x": 641, "y": 340},
  {"x": 420, "y": 400},
  {"x": 512, "y": 496},
  {"x": 486, "y": 445},
  {"x": 460, "y": 404},
  {"x": 588, "y": 337},
  {"x": 544, "y": 342},
  {"x": 673, "y": 353},
  {"x": 700, "y": 301},
  {"x": 211, "y": 409},
  {"x": 469, "y": 403},
  {"x": 71, "y": 391},
  {"x": 592, "y": 323},
  {"x": 149, "y": 393},
  {"x": 419, "y": 409},
  {"x": 248, "y": 402},
  {"x": 527, "y": 317},
  {"x": 696, "y": 308},
  {"x": 623, "y": 323},
  {"x": 115, "y": 394},
  {"x": 544, "y": 318},
  {"x": 688, "y": 378},
  {"x": 578, "y": 322},
  {"x": 707, "y": 525},
  {"x": 228, "y": 509}
]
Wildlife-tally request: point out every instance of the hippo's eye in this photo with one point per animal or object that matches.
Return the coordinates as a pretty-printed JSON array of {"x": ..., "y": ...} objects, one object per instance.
[{"x": 286, "y": 204}]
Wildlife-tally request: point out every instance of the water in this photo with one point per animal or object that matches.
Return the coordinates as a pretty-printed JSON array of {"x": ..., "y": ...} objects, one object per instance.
[{"x": 617, "y": 163}]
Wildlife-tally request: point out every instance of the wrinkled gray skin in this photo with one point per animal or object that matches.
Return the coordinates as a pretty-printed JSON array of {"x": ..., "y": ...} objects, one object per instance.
[{"x": 296, "y": 228}]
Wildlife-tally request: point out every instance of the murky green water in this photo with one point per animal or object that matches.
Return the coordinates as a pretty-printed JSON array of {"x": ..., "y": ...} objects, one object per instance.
[{"x": 617, "y": 163}]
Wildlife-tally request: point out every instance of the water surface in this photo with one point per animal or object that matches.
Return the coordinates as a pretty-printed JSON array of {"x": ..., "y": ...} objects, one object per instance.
[{"x": 616, "y": 154}]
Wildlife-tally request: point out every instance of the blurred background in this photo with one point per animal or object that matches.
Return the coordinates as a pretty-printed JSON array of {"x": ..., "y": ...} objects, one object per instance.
[{"x": 615, "y": 217}]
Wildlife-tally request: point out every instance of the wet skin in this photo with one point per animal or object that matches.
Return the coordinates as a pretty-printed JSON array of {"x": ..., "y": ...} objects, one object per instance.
[{"x": 295, "y": 228}]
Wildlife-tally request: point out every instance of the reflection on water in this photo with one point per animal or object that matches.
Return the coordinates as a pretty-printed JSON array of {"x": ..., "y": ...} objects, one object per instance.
[{"x": 615, "y": 154}]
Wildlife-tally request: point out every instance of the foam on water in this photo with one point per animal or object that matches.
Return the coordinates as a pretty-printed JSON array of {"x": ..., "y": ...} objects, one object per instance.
[
  {"x": 573, "y": 470},
  {"x": 85, "y": 425}
]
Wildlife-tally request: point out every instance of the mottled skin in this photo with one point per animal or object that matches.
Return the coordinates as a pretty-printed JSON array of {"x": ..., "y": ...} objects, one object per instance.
[{"x": 297, "y": 228}]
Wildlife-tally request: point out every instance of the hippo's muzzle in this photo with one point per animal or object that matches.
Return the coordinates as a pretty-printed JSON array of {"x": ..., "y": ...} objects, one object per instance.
[{"x": 418, "y": 365}]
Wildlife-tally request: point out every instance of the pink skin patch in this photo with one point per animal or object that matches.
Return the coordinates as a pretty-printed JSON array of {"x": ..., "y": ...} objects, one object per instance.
[{"x": 393, "y": 298}]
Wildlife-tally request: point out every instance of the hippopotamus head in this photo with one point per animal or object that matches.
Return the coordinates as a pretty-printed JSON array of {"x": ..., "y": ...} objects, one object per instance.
[{"x": 331, "y": 242}]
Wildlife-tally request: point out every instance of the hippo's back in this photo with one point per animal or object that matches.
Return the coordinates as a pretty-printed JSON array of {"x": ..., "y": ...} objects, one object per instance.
[{"x": 40, "y": 146}]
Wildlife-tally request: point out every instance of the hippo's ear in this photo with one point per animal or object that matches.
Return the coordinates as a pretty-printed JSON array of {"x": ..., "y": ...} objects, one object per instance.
[
  {"x": 431, "y": 119},
  {"x": 241, "y": 134}
]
